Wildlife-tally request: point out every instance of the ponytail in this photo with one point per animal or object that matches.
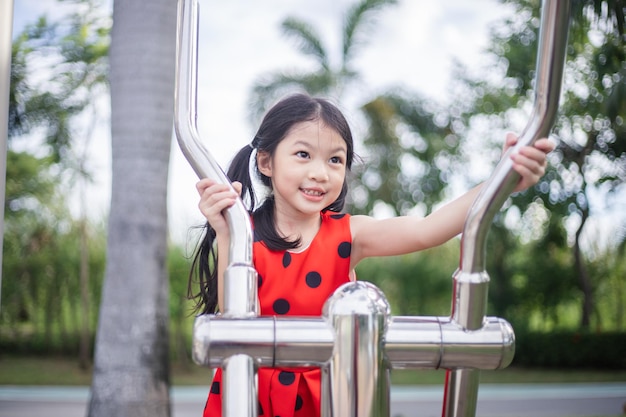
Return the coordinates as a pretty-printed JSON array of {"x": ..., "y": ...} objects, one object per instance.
[{"x": 239, "y": 170}]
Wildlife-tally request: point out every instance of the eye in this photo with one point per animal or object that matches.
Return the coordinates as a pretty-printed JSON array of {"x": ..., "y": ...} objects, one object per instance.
[
  {"x": 336, "y": 160},
  {"x": 302, "y": 154}
]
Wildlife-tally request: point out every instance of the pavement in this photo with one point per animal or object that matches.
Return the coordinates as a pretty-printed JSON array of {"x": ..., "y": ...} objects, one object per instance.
[{"x": 504, "y": 400}]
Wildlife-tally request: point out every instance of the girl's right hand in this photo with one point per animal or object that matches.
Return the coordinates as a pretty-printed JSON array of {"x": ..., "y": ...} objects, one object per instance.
[{"x": 214, "y": 199}]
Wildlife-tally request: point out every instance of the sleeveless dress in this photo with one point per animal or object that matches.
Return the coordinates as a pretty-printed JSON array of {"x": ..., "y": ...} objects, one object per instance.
[{"x": 295, "y": 284}]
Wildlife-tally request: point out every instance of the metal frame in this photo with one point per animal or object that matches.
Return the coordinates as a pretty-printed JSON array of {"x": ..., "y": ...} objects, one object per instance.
[{"x": 356, "y": 342}]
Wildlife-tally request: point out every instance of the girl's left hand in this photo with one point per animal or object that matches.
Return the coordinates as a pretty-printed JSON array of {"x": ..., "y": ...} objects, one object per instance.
[{"x": 529, "y": 161}]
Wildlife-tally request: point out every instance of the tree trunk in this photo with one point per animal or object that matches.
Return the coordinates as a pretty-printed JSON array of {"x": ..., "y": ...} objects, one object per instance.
[
  {"x": 84, "y": 344},
  {"x": 583, "y": 276},
  {"x": 131, "y": 366}
]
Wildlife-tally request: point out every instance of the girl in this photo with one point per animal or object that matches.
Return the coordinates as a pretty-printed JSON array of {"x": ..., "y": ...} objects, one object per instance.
[{"x": 304, "y": 248}]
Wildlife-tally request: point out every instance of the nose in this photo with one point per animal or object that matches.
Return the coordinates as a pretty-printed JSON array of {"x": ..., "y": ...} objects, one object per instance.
[{"x": 318, "y": 171}]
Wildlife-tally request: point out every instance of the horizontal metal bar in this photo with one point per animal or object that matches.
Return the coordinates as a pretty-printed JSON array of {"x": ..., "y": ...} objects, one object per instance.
[{"x": 410, "y": 342}]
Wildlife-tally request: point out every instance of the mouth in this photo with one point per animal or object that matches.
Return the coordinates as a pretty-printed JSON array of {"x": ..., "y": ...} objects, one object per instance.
[{"x": 312, "y": 192}]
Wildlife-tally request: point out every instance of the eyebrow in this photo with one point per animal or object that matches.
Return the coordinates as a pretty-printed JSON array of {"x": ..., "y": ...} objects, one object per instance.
[{"x": 334, "y": 150}]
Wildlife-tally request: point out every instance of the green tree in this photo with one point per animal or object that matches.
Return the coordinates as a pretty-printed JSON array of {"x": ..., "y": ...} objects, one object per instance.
[
  {"x": 131, "y": 374},
  {"x": 325, "y": 78},
  {"x": 591, "y": 152},
  {"x": 71, "y": 54},
  {"x": 57, "y": 70},
  {"x": 412, "y": 149}
]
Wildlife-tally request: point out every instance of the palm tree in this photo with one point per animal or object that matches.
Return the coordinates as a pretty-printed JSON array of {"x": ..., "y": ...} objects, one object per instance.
[
  {"x": 131, "y": 374},
  {"x": 324, "y": 79}
]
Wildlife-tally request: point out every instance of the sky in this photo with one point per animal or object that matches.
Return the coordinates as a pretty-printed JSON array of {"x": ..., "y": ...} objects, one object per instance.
[{"x": 412, "y": 44}]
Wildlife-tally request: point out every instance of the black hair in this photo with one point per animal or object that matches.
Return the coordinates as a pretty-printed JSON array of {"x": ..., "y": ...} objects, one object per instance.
[{"x": 274, "y": 128}]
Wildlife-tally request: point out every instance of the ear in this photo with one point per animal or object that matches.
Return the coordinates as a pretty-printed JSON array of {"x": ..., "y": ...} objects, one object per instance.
[{"x": 264, "y": 162}]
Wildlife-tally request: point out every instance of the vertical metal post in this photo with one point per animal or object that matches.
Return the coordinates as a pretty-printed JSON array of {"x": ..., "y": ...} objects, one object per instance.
[
  {"x": 6, "y": 29},
  {"x": 240, "y": 280},
  {"x": 471, "y": 280},
  {"x": 359, "y": 374}
]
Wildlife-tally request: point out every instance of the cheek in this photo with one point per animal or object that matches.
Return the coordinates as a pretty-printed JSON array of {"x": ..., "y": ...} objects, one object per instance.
[{"x": 339, "y": 174}]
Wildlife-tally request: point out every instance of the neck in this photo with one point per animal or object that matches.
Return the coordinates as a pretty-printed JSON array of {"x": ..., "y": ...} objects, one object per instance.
[{"x": 302, "y": 227}]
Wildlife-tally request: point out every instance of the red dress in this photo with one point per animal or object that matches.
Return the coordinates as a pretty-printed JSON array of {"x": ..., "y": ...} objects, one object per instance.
[{"x": 295, "y": 284}]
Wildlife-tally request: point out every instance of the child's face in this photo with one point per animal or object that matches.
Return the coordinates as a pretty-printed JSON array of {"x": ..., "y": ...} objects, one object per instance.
[{"x": 307, "y": 169}]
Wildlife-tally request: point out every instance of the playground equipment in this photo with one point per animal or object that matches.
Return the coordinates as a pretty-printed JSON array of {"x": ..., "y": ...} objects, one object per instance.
[{"x": 357, "y": 342}]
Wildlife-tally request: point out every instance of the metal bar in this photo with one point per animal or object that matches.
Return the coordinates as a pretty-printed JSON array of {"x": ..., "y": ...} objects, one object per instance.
[
  {"x": 438, "y": 342},
  {"x": 471, "y": 281},
  {"x": 240, "y": 291},
  {"x": 359, "y": 378},
  {"x": 239, "y": 397},
  {"x": 304, "y": 342},
  {"x": 554, "y": 27},
  {"x": 6, "y": 29}
]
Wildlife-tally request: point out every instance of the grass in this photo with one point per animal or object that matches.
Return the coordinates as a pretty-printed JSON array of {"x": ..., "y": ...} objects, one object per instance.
[{"x": 18, "y": 370}]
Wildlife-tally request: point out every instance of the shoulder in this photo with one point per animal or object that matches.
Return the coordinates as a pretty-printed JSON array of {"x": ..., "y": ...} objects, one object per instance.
[
  {"x": 333, "y": 221},
  {"x": 359, "y": 222},
  {"x": 333, "y": 216}
]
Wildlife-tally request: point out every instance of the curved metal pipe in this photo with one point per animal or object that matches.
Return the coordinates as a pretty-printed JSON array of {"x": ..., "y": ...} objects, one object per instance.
[
  {"x": 240, "y": 282},
  {"x": 471, "y": 281},
  {"x": 555, "y": 17},
  {"x": 240, "y": 298}
]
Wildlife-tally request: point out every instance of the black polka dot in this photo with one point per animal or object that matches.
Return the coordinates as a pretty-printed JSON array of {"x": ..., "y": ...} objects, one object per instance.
[
  {"x": 286, "y": 378},
  {"x": 344, "y": 249},
  {"x": 215, "y": 388},
  {"x": 313, "y": 279},
  {"x": 337, "y": 216},
  {"x": 260, "y": 409},
  {"x": 281, "y": 306},
  {"x": 259, "y": 280},
  {"x": 298, "y": 403},
  {"x": 286, "y": 259}
]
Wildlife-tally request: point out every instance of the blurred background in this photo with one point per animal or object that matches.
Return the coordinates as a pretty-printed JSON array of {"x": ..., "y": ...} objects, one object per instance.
[{"x": 430, "y": 90}]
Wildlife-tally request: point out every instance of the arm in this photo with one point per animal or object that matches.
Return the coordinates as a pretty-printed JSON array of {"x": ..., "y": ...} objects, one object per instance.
[
  {"x": 406, "y": 234},
  {"x": 214, "y": 199}
]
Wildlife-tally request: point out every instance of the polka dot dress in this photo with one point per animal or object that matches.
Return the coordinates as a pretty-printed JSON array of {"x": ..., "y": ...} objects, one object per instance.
[{"x": 295, "y": 284}]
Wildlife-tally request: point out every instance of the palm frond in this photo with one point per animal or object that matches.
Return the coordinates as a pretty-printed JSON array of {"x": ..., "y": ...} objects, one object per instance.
[
  {"x": 356, "y": 20},
  {"x": 272, "y": 87},
  {"x": 309, "y": 42}
]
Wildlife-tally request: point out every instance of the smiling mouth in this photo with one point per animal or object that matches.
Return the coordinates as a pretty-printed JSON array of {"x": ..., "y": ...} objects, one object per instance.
[{"x": 313, "y": 193}]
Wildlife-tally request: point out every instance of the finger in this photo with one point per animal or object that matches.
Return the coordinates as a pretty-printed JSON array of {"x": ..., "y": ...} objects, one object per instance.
[
  {"x": 213, "y": 210},
  {"x": 534, "y": 164},
  {"x": 212, "y": 205},
  {"x": 510, "y": 139},
  {"x": 203, "y": 184},
  {"x": 530, "y": 153},
  {"x": 545, "y": 145},
  {"x": 237, "y": 186},
  {"x": 528, "y": 178},
  {"x": 217, "y": 192}
]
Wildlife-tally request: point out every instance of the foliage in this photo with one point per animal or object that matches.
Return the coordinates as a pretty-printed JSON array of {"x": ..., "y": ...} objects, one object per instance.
[
  {"x": 181, "y": 308},
  {"x": 415, "y": 284},
  {"x": 567, "y": 350},
  {"x": 325, "y": 78},
  {"x": 57, "y": 69},
  {"x": 412, "y": 153},
  {"x": 590, "y": 158},
  {"x": 41, "y": 295}
]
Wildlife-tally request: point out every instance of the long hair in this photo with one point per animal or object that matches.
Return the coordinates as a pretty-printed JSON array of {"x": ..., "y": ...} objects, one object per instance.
[{"x": 274, "y": 127}]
